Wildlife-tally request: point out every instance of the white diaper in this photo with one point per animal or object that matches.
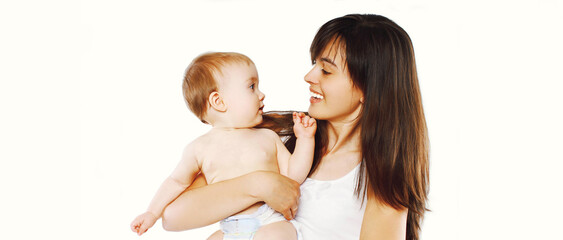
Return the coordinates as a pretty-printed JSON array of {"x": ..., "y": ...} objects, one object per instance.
[{"x": 240, "y": 227}]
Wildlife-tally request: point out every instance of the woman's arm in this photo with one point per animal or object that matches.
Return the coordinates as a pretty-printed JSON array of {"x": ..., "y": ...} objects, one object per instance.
[
  {"x": 382, "y": 221},
  {"x": 202, "y": 204}
]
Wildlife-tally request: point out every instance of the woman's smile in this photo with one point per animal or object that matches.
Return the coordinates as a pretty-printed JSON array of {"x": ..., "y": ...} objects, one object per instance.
[{"x": 315, "y": 96}]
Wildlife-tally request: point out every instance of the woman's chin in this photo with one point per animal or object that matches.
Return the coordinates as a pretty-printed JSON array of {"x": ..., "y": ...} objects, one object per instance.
[{"x": 315, "y": 113}]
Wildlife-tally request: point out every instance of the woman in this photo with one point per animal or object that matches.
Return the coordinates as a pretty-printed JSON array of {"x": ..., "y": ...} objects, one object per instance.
[{"x": 369, "y": 178}]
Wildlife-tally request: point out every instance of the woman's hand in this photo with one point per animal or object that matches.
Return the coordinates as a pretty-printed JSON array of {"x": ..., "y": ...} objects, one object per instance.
[{"x": 279, "y": 192}]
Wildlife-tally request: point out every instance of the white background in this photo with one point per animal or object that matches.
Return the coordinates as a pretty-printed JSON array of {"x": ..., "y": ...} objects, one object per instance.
[{"x": 93, "y": 119}]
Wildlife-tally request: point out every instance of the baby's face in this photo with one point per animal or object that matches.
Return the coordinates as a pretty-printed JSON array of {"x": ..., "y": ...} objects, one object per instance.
[{"x": 239, "y": 87}]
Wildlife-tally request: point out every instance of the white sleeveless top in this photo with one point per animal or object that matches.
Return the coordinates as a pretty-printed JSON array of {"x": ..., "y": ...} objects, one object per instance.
[{"x": 330, "y": 209}]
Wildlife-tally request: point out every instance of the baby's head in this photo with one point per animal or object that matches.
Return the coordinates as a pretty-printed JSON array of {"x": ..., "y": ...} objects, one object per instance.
[{"x": 223, "y": 86}]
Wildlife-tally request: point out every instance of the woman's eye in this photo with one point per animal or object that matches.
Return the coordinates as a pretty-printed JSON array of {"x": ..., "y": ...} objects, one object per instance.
[{"x": 325, "y": 72}]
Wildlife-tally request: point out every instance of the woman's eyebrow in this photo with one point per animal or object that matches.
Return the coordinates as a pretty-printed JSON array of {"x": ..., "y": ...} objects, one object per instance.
[{"x": 329, "y": 61}]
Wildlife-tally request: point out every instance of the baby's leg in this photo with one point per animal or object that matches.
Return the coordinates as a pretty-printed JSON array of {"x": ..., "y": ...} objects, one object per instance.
[
  {"x": 216, "y": 236},
  {"x": 282, "y": 230}
]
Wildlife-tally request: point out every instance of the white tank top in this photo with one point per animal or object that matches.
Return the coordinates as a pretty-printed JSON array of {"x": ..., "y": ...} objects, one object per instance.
[{"x": 330, "y": 209}]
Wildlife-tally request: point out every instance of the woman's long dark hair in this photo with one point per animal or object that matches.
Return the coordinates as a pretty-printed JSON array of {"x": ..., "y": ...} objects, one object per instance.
[{"x": 380, "y": 59}]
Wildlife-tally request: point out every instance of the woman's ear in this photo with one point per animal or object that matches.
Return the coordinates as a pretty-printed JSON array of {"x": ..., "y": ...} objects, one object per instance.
[
  {"x": 216, "y": 102},
  {"x": 358, "y": 91}
]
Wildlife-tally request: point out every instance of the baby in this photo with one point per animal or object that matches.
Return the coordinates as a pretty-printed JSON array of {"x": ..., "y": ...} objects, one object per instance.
[{"x": 221, "y": 89}]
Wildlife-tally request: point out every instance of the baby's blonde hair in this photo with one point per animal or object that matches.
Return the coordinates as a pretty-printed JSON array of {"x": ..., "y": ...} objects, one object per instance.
[{"x": 200, "y": 79}]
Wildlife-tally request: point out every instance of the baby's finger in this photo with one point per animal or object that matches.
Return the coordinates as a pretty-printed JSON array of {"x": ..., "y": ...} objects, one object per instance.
[
  {"x": 136, "y": 224},
  {"x": 312, "y": 122},
  {"x": 296, "y": 118},
  {"x": 142, "y": 230},
  {"x": 306, "y": 121}
]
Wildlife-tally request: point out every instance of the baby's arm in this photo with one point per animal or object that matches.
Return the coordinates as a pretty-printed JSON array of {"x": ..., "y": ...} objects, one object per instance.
[
  {"x": 297, "y": 165},
  {"x": 171, "y": 188}
]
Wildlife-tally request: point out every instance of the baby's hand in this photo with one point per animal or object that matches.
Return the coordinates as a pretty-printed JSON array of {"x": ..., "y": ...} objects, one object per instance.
[
  {"x": 143, "y": 222},
  {"x": 303, "y": 125}
]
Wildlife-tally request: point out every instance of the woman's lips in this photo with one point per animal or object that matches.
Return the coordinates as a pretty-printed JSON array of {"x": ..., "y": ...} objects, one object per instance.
[
  {"x": 314, "y": 100},
  {"x": 315, "y": 96}
]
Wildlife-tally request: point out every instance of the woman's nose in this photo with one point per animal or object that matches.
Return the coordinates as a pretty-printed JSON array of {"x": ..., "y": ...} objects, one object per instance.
[{"x": 310, "y": 77}]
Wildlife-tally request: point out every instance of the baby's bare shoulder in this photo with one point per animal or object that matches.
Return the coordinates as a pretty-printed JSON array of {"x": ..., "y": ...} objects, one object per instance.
[
  {"x": 265, "y": 132},
  {"x": 200, "y": 142}
]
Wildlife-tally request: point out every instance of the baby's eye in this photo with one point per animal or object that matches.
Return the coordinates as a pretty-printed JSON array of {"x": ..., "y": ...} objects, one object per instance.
[{"x": 252, "y": 86}]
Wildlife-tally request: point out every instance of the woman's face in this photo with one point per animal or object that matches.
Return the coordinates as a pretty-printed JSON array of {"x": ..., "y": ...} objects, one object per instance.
[{"x": 333, "y": 96}]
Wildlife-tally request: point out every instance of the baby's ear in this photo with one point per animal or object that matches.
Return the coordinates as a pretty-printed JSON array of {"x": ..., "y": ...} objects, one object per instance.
[{"x": 216, "y": 102}]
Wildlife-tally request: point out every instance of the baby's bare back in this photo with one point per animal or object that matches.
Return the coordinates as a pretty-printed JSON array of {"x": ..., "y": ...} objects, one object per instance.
[{"x": 228, "y": 154}]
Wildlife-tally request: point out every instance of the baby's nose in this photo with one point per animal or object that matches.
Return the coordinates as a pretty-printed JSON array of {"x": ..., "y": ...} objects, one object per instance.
[{"x": 262, "y": 96}]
